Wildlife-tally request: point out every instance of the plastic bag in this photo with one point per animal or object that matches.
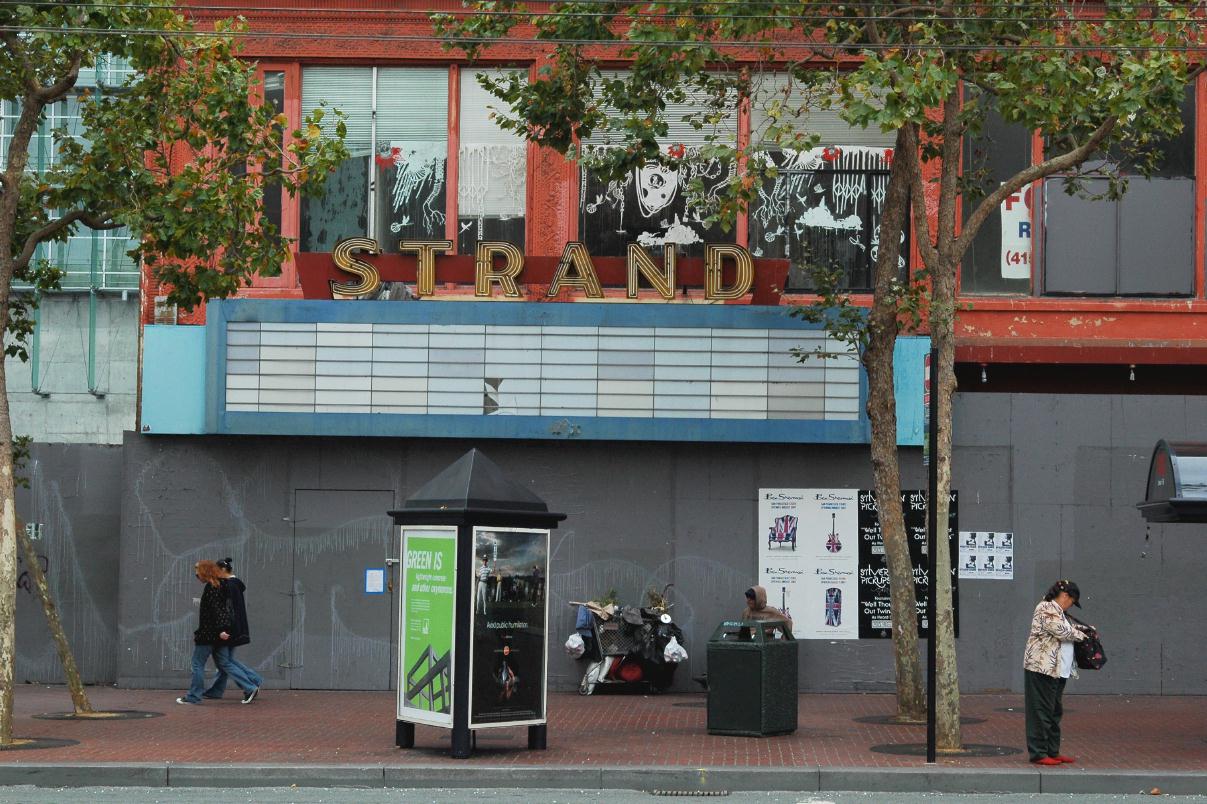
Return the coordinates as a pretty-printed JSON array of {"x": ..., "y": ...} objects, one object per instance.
[
  {"x": 674, "y": 652},
  {"x": 574, "y": 646}
]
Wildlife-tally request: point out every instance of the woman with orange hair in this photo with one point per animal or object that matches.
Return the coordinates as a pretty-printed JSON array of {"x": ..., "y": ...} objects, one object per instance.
[{"x": 214, "y": 627}]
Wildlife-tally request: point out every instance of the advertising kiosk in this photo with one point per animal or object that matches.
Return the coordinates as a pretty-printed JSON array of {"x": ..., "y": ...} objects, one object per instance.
[{"x": 473, "y": 610}]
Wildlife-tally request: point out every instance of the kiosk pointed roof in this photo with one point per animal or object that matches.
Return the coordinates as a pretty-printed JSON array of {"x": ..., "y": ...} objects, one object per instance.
[{"x": 474, "y": 483}]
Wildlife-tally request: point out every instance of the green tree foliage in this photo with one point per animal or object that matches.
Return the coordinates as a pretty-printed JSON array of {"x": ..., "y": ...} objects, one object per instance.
[
  {"x": 181, "y": 153},
  {"x": 1101, "y": 82}
]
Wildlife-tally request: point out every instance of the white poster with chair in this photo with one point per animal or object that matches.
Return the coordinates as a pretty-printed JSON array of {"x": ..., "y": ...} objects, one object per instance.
[{"x": 809, "y": 561}]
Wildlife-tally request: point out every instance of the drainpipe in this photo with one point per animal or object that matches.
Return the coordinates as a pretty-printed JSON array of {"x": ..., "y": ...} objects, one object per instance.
[
  {"x": 35, "y": 350},
  {"x": 92, "y": 294}
]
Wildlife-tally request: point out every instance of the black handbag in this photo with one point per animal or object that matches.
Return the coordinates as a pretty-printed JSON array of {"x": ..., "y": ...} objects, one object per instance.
[{"x": 1088, "y": 653}]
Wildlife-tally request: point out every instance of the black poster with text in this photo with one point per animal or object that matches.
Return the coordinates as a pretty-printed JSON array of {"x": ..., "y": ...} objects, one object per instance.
[{"x": 875, "y": 606}]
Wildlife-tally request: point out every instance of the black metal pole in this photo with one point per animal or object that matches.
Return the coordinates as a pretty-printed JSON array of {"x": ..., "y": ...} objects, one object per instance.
[{"x": 932, "y": 552}]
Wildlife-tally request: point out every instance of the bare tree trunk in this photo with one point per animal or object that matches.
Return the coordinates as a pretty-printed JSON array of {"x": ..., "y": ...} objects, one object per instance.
[
  {"x": 8, "y": 556},
  {"x": 882, "y": 414},
  {"x": 79, "y": 698},
  {"x": 947, "y": 703}
]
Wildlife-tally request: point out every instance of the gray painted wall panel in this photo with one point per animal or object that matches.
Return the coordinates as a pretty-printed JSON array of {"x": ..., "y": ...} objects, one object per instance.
[
  {"x": 1156, "y": 237},
  {"x": 74, "y": 499},
  {"x": 1080, "y": 241},
  {"x": 67, "y": 412},
  {"x": 643, "y": 515}
]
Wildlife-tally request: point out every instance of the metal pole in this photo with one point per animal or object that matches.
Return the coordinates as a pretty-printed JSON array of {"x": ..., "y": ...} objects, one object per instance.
[{"x": 932, "y": 529}]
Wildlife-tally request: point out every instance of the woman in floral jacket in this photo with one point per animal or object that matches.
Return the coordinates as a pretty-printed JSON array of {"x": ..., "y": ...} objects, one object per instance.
[{"x": 1047, "y": 665}]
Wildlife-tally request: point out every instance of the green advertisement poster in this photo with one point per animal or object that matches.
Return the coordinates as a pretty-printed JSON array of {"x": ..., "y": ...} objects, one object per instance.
[{"x": 426, "y": 618}]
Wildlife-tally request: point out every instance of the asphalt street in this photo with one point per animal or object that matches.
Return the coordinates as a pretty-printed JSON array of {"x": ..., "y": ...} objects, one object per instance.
[{"x": 286, "y": 795}]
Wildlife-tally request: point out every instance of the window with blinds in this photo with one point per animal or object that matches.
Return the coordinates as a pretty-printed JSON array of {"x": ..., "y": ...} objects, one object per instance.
[
  {"x": 650, "y": 206},
  {"x": 822, "y": 208},
  {"x": 392, "y": 186},
  {"x": 492, "y": 168}
]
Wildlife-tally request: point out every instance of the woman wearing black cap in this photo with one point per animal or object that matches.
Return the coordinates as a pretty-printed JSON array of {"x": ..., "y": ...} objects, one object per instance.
[{"x": 1047, "y": 665}]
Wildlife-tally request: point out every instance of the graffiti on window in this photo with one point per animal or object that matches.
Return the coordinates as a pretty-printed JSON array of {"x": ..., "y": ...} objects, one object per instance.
[
  {"x": 491, "y": 185},
  {"x": 651, "y": 206},
  {"x": 413, "y": 176},
  {"x": 823, "y": 208}
]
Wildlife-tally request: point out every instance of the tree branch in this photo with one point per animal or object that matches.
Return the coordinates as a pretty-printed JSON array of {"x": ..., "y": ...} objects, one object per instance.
[
  {"x": 917, "y": 183},
  {"x": 54, "y": 227}
]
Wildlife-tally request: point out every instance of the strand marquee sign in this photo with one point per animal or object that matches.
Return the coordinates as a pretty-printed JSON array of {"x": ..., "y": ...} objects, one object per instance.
[{"x": 357, "y": 267}]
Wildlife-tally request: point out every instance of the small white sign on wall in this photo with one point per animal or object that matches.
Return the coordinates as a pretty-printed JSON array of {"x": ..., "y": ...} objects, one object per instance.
[
  {"x": 375, "y": 581},
  {"x": 986, "y": 555}
]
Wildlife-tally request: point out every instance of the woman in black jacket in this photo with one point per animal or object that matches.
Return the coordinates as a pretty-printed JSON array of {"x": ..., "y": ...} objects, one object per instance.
[
  {"x": 215, "y": 623},
  {"x": 240, "y": 634}
]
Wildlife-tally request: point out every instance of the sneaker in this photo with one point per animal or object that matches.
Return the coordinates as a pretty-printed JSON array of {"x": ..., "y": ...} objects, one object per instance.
[
  {"x": 1063, "y": 758},
  {"x": 212, "y": 697},
  {"x": 248, "y": 697},
  {"x": 187, "y": 701},
  {"x": 1046, "y": 761}
]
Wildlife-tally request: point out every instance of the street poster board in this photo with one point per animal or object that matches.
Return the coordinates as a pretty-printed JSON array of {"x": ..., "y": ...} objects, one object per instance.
[
  {"x": 986, "y": 555},
  {"x": 508, "y": 668},
  {"x": 822, "y": 561},
  {"x": 426, "y": 620}
]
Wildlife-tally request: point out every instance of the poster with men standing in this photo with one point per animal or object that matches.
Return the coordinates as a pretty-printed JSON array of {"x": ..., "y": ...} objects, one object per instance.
[{"x": 508, "y": 661}]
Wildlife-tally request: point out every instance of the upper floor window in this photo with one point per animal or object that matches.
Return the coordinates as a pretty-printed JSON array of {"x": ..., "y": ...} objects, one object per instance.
[
  {"x": 822, "y": 207},
  {"x": 1002, "y": 255},
  {"x": 87, "y": 258},
  {"x": 492, "y": 169},
  {"x": 392, "y": 186},
  {"x": 651, "y": 205},
  {"x": 1141, "y": 244}
]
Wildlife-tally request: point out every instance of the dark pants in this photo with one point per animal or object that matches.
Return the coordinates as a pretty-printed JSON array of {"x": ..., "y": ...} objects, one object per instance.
[{"x": 1042, "y": 695}]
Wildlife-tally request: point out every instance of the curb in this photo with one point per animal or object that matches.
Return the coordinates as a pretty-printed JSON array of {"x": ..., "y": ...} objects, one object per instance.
[{"x": 584, "y": 777}]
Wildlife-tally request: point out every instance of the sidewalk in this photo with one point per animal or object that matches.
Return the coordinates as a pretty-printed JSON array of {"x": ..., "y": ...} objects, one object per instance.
[{"x": 1122, "y": 745}]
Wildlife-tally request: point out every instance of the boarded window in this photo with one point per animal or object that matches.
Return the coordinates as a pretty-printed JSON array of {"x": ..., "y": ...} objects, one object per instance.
[{"x": 1139, "y": 245}]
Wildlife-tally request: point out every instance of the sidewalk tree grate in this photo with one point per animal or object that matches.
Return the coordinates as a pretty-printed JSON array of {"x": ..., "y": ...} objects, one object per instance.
[
  {"x": 113, "y": 714},
  {"x": 891, "y": 720},
  {"x": 33, "y": 743},
  {"x": 969, "y": 750}
]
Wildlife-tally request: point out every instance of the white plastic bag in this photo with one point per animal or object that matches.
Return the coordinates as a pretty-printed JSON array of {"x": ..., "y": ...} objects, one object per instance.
[
  {"x": 674, "y": 652},
  {"x": 574, "y": 646}
]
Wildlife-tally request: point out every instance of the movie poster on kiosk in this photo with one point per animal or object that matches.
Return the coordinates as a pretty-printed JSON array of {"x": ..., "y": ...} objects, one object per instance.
[
  {"x": 875, "y": 601},
  {"x": 508, "y": 663},
  {"x": 808, "y": 559},
  {"x": 426, "y": 611}
]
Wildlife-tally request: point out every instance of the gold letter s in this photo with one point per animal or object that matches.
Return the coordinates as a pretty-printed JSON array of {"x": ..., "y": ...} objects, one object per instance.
[{"x": 343, "y": 257}]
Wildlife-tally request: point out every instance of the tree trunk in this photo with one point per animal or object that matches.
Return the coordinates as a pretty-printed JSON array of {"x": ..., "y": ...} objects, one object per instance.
[
  {"x": 882, "y": 414},
  {"x": 947, "y": 697},
  {"x": 79, "y": 698},
  {"x": 8, "y": 558}
]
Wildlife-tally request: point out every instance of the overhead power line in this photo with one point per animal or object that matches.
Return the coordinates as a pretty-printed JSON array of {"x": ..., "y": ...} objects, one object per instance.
[
  {"x": 778, "y": 44},
  {"x": 1050, "y": 11}
]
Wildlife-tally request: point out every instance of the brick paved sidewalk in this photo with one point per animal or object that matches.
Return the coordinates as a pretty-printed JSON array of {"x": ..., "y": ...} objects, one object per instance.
[{"x": 357, "y": 728}]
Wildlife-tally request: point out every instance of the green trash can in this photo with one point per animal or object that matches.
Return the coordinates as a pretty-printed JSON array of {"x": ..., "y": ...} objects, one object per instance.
[{"x": 752, "y": 682}]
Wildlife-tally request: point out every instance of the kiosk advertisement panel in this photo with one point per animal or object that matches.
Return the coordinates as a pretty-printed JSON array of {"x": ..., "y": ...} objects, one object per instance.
[
  {"x": 508, "y": 662},
  {"x": 426, "y": 625}
]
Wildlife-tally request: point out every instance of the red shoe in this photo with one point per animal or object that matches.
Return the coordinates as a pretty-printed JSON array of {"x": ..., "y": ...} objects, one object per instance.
[
  {"x": 1046, "y": 761},
  {"x": 1063, "y": 758}
]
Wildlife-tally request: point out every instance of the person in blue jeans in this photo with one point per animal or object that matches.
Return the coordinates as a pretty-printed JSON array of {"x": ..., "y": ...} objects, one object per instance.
[
  {"x": 215, "y": 622},
  {"x": 240, "y": 633}
]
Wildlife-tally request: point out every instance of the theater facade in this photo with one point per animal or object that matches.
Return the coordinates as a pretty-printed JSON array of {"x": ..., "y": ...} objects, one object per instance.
[{"x": 640, "y": 369}]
